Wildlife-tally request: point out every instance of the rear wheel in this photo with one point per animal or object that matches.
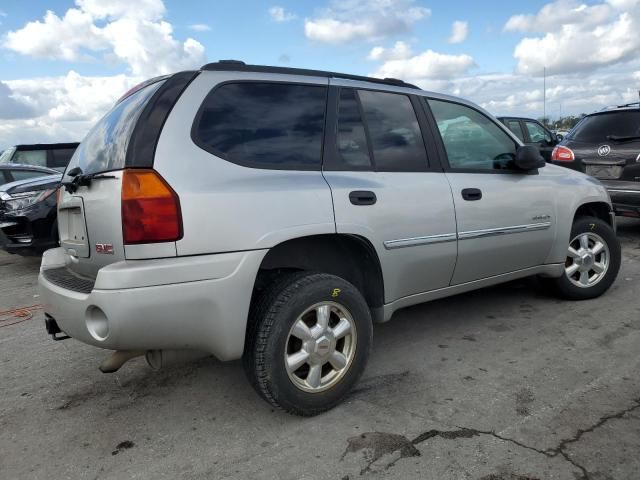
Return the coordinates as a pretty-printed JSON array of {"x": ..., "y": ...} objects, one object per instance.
[
  {"x": 592, "y": 263},
  {"x": 308, "y": 342}
]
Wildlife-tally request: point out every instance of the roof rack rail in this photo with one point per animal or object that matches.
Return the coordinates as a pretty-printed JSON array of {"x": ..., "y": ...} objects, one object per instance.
[
  {"x": 629, "y": 104},
  {"x": 240, "y": 66}
]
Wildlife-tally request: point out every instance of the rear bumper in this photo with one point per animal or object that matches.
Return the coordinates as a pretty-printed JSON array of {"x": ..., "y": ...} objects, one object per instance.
[
  {"x": 199, "y": 303},
  {"x": 625, "y": 197}
]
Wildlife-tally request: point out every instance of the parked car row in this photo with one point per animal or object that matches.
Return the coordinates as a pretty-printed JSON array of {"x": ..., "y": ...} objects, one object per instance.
[
  {"x": 272, "y": 214},
  {"x": 29, "y": 179}
]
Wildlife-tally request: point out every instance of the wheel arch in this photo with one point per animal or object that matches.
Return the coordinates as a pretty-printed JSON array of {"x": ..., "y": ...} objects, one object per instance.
[
  {"x": 601, "y": 210},
  {"x": 351, "y": 257}
]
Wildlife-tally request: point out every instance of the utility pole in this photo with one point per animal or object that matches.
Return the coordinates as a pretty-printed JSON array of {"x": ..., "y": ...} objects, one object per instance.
[{"x": 544, "y": 96}]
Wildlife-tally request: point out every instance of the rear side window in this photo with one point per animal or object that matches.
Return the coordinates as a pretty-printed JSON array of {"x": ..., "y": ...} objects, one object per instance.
[
  {"x": 264, "y": 125},
  {"x": 597, "y": 128},
  {"x": 30, "y": 157},
  {"x": 396, "y": 138},
  {"x": 105, "y": 146},
  {"x": 514, "y": 126},
  {"x": 60, "y": 158},
  {"x": 537, "y": 133}
]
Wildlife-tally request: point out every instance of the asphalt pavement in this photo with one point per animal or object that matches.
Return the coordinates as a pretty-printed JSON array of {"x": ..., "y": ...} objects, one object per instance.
[{"x": 505, "y": 383}]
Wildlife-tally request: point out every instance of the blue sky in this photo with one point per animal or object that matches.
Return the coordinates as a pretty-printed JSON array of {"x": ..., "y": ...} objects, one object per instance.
[
  {"x": 257, "y": 38},
  {"x": 64, "y": 62}
]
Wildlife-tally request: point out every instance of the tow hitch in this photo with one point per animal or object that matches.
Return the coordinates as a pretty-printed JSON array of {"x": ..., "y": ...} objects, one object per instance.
[{"x": 53, "y": 329}]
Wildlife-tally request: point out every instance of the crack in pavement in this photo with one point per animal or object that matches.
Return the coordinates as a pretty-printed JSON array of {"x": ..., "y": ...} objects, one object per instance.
[{"x": 381, "y": 444}]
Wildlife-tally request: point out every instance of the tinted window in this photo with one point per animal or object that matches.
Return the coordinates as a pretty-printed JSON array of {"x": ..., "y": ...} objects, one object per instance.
[
  {"x": 514, "y": 126},
  {"x": 352, "y": 140},
  {"x": 60, "y": 158},
  {"x": 24, "y": 174},
  {"x": 30, "y": 157},
  {"x": 105, "y": 146},
  {"x": 471, "y": 139},
  {"x": 264, "y": 125},
  {"x": 5, "y": 157},
  {"x": 597, "y": 128},
  {"x": 537, "y": 133},
  {"x": 396, "y": 138}
]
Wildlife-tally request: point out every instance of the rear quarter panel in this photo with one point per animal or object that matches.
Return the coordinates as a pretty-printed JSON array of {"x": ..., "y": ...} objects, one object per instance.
[{"x": 228, "y": 207}]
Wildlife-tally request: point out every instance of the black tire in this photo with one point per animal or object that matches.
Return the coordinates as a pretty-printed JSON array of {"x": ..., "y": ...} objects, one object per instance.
[
  {"x": 272, "y": 316},
  {"x": 564, "y": 288}
]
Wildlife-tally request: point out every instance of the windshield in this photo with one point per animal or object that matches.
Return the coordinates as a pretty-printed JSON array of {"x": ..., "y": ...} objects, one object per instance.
[
  {"x": 105, "y": 146},
  {"x": 596, "y": 128},
  {"x": 7, "y": 154}
]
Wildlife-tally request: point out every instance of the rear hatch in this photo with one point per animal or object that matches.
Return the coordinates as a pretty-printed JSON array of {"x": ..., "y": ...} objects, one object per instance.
[
  {"x": 89, "y": 215},
  {"x": 607, "y": 145}
]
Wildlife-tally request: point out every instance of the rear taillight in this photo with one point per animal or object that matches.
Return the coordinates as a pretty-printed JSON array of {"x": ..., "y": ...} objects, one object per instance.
[
  {"x": 150, "y": 209},
  {"x": 562, "y": 154}
]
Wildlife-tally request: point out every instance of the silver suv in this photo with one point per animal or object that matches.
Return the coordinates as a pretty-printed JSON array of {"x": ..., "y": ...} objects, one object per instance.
[{"x": 273, "y": 214}]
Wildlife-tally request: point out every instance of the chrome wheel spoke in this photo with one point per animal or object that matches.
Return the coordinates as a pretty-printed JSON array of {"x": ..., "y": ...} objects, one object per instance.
[
  {"x": 584, "y": 241},
  {"x": 338, "y": 360},
  {"x": 301, "y": 331},
  {"x": 584, "y": 278},
  {"x": 342, "y": 328},
  {"x": 314, "y": 376},
  {"x": 597, "y": 248},
  {"x": 322, "y": 315},
  {"x": 296, "y": 360},
  {"x": 573, "y": 253},
  {"x": 598, "y": 267},
  {"x": 571, "y": 269}
]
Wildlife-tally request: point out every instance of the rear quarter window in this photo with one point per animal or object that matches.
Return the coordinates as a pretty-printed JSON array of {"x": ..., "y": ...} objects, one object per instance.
[{"x": 264, "y": 125}]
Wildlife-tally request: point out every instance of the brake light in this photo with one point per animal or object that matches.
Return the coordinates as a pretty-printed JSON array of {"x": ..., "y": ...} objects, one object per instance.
[
  {"x": 562, "y": 154},
  {"x": 150, "y": 209}
]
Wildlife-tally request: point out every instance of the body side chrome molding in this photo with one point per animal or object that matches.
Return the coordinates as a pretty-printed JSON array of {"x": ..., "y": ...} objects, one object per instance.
[
  {"x": 620, "y": 190},
  {"x": 490, "y": 232},
  {"x": 451, "y": 237},
  {"x": 415, "y": 241}
]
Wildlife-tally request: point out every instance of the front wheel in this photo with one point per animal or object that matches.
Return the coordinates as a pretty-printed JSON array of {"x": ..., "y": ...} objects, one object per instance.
[
  {"x": 308, "y": 342},
  {"x": 592, "y": 263}
]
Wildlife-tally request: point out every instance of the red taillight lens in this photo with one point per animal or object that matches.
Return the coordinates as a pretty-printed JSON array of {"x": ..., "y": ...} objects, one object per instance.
[
  {"x": 150, "y": 209},
  {"x": 562, "y": 154}
]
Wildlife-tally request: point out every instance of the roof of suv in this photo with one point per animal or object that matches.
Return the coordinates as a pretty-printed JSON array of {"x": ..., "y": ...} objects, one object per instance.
[
  {"x": 618, "y": 108},
  {"x": 239, "y": 66}
]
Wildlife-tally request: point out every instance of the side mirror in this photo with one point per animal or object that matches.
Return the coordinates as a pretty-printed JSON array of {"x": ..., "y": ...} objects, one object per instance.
[
  {"x": 528, "y": 158},
  {"x": 559, "y": 137}
]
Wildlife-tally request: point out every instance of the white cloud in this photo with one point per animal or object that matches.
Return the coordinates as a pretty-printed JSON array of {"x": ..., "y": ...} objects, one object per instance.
[
  {"x": 12, "y": 108},
  {"x": 400, "y": 51},
  {"x": 130, "y": 32},
  {"x": 556, "y": 14},
  {"x": 279, "y": 14},
  {"x": 199, "y": 27},
  {"x": 576, "y": 37},
  {"x": 351, "y": 20},
  {"x": 459, "y": 32},
  {"x": 428, "y": 68},
  {"x": 59, "y": 108}
]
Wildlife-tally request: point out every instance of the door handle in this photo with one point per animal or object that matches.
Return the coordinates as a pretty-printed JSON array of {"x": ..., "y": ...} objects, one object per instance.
[
  {"x": 471, "y": 194},
  {"x": 362, "y": 197}
]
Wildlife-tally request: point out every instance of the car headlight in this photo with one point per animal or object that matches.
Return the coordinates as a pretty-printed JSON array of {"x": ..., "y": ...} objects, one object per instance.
[{"x": 22, "y": 200}]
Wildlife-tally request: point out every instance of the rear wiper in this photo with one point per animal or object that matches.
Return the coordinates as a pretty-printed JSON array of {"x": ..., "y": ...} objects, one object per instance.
[
  {"x": 617, "y": 138},
  {"x": 81, "y": 180}
]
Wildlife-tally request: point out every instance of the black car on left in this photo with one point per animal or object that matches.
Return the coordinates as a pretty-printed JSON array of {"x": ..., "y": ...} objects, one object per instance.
[
  {"x": 28, "y": 215},
  {"x": 15, "y": 172}
]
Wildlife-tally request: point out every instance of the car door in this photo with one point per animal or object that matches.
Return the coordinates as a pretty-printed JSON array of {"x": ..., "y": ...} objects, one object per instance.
[
  {"x": 377, "y": 162},
  {"x": 541, "y": 137},
  {"x": 505, "y": 217}
]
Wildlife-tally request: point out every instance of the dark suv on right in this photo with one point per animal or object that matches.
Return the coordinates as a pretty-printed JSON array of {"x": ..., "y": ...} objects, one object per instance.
[{"x": 606, "y": 145}]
